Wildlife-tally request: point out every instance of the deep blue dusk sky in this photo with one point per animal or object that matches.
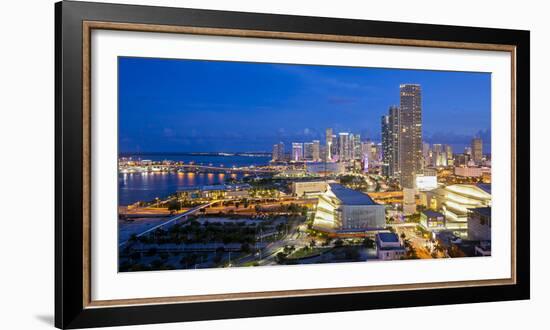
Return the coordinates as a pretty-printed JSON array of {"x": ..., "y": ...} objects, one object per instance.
[{"x": 188, "y": 105}]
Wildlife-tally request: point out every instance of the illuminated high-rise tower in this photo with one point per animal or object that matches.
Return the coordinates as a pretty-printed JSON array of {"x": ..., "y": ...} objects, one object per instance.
[
  {"x": 297, "y": 151},
  {"x": 316, "y": 152},
  {"x": 343, "y": 146},
  {"x": 278, "y": 154},
  {"x": 410, "y": 134},
  {"x": 356, "y": 151},
  {"x": 390, "y": 142},
  {"x": 328, "y": 141},
  {"x": 477, "y": 150},
  {"x": 308, "y": 151},
  {"x": 411, "y": 161},
  {"x": 387, "y": 152}
]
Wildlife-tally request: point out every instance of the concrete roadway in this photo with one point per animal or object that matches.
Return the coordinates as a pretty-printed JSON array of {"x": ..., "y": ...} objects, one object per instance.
[
  {"x": 171, "y": 220},
  {"x": 418, "y": 243},
  {"x": 270, "y": 251}
]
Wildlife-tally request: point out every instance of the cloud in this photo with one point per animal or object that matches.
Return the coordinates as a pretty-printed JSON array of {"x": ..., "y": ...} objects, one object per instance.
[
  {"x": 168, "y": 132},
  {"x": 341, "y": 100},
  {"x": 454, "y": 138},
  {"x": 318, "y": 78}
]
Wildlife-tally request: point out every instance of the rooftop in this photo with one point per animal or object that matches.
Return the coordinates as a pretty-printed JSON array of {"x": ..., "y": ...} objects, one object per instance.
[
  {"x": 388, "y": 237},
  {"x": 350, "y": 196},
  {"x": 485, "y": 187},
  {"x": 484, "y": 211},
  {"x": 432, "y": 214}
]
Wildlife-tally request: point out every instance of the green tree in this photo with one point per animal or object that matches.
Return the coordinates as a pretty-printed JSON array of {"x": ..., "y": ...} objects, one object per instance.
[
  {"x": 351, "y": 253},
  {"x": 245, "y": 247},
  {"x": 281, "y": 258},
  {"x": 174, "y": 206},
  {"x": 152, "y": 251},
  {"x": 368, "y": 243},
  {"x": 157, "y": 263}
]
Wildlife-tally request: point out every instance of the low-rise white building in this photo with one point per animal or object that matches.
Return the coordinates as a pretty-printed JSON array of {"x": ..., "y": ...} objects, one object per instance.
[
  {"x": 308, "y": 188},
  {"x": 389, "y": 246},
  {"x": 426, "y": 182},
  {"x": 472, "y": 172}
]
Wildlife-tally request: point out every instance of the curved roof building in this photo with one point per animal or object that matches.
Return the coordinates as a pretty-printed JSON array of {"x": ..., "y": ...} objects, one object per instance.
[
  {"x": 455, "y": 200},
  {"x": 341, "y": 210}
]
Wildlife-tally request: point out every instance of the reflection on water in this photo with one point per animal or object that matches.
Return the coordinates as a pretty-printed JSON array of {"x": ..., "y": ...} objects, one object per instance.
[
  {"x": 147, "y": 186},
  {"x": 133, "y": 187}
]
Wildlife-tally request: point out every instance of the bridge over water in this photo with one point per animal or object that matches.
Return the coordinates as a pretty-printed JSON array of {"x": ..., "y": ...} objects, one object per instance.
[{"x": 225, "y": 169}]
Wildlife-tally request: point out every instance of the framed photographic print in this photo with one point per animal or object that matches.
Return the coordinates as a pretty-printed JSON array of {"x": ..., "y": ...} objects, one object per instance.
[{"x": 215, "y": 164}]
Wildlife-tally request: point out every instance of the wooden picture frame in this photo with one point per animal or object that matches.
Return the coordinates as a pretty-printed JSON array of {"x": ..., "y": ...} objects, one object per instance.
[{"x": 74, "y": 307}]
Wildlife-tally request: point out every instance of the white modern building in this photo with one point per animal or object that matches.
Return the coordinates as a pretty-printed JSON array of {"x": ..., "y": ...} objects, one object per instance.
[
  {"x": 341, "y": 209},
  {"x": 455, "y": 201},
  {"x": 297, "y": 151},
  {"x": 426, "y": 182},
  {"x": 308, "y": 188}
]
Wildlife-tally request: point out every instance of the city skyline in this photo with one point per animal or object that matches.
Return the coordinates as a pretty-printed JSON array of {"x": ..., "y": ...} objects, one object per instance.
[
  {"x": 179, "y": 121},
  {"x": 330, "y": 192}
]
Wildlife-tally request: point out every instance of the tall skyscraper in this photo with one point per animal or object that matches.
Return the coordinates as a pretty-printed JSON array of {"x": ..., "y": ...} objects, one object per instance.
[
  {"x": 387, "y": 151},
  {"x": 390, "y": 142},
  {"x": 395, "y": 129},
  {"x": 426, "y": 154},
  {"x": 297, "y": 151},
  {"x": 278, "y": 153},
  {"x": 449, "y": 152},
  {"x": 439, "y": 155},
  {"x": 335, "y": 147},
  {"x": 367, "y": 154},
  {"x": 351, "y": 143},
  {"x": 410, "y": 140},
  {"x": 316, "y": 152},
  {"x": 343, "y": 146},
  {"x": 308, "y": 151},
  {"x": 356, "y": 146},
  {"x": 275, "y": 153},
  {"x": 377, "y": 152},
  {"x": 365, "y": 150},
  {"x": 328, "y": 141},
  {"x": 477, "y": 150}
]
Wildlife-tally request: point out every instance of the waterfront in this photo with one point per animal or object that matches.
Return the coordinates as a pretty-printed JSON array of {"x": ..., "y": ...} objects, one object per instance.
[
  {"x": 202, "y": 159},
  {"x": 147, "y": 186}
]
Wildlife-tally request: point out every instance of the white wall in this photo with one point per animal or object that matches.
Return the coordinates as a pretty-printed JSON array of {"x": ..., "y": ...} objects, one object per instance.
[{"x": 26, "y": 166}]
